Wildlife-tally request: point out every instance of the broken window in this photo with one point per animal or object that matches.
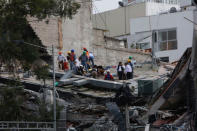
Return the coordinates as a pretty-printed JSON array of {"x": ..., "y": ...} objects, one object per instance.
[{"x": 167, "y": 40}]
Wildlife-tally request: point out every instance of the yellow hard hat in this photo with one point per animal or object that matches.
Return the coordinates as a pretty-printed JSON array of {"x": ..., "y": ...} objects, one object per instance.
[
  {"x": 69, "y": 52},
  {"x": 129, "y": 60}
]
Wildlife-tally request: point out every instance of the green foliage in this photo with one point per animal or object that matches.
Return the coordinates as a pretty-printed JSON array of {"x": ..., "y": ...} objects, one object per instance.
[
  {"x": 42, "y": 73},
  {"x": 47, "y": 115},
  {"x": 14, "y": 26},
  {"x": 38, "y": 8},
  {"x": 11, "y": 102},
  {"x": 12, "y": 107}
]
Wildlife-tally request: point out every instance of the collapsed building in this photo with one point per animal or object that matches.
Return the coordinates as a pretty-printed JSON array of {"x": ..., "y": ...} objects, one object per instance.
[{"x": 93, "y": 104}]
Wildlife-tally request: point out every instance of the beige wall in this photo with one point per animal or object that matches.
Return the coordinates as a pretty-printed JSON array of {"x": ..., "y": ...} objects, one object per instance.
[
  {"x": 109, "y": 51},
  {"x": 47, "y": 32},
  {"x": 79, "y": 32},
  {"x": 117, "y": 21}
]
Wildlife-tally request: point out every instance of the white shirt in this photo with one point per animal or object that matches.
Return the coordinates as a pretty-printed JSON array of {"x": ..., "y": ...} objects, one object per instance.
[
  {"x": 78, "y": 63},
  {"x": 91, "y": 55},
  {"x": 120, "y": 68},
  {"x": 60, "y": 58},
  {"x": 128, "y": 68},
  {"x": 133, "y": 62}
]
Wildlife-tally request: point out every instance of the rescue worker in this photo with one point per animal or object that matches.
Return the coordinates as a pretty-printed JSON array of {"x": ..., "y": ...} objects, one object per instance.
[
  {"x": 66, "y": 68},
  {"x": 132, "y": 66},
  {"x": 94, "y": 71},
  {"x": 87, "y": 53},
  {"x": 68, "y": 55},
  {"x": 108, "y": 76},
  {"x": 74, "y": 68},
  {"x": 91, "y": 58},
  {"x": 84, "y": 59},
  {"x": 72, "y": 58},
  {"x": 128, "y": 71},
  {"x": 120, "y": 71},
  {"x": 60, "y": 60}
]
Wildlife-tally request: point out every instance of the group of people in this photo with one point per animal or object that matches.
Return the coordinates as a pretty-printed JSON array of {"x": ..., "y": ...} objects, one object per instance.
[
  {"x": 125, "y": 71},
  {"x": 85, "y": 61}
]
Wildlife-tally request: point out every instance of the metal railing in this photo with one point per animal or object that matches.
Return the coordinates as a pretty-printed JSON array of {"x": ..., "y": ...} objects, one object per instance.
[{"x": 7, "y": 125}]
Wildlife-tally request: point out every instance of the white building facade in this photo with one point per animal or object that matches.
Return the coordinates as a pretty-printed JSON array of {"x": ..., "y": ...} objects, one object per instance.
[
  {"x": 117, "y": 22},
  {"x": 170, "y": 34}
]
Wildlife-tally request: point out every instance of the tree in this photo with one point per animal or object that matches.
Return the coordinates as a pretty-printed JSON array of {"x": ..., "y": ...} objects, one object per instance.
[
  {"x": 13, "y": 106},
  {"x": 14, "y": 26},
  {"x": 42, "y": 73}
]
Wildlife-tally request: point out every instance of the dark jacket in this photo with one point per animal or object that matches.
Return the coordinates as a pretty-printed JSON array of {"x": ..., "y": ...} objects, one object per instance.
[{"x": 83, "y": 58}]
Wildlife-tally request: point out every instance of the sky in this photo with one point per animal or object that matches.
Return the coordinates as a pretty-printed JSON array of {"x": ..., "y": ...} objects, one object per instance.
[{"x": 104, "y": 5}]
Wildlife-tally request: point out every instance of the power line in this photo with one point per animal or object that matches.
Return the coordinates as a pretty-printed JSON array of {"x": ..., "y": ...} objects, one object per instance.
[{"x": 104, "y": 21}]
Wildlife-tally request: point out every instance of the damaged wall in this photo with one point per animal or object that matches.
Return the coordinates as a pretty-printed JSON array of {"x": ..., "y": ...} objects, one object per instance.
[
  {"x": 77, "y": 33},
  {"x": 109, "y": 51},
  {"x": 46, "y": 30}
]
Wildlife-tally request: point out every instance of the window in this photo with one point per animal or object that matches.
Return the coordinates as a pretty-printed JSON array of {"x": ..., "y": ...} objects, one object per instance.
[
  {"x": 143, "y": 46},
  {"x": 164, "y": 59},
  {"x": 167, "y": 40}
]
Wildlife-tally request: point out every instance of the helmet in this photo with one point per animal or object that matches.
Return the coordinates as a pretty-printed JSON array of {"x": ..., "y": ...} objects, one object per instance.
[
  {"x": 129, "y": 60},
  {"x": 69, "y": 52},
  {"x": 108, "y": 71},
  {"x": 59, "y": 52},
  {"x": 84, "y": 49},
  {"x": 130, "y": 57},
  {"x": 72, "y": 50}
]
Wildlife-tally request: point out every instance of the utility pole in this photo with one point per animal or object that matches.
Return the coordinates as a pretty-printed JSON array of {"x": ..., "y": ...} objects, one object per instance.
[
  {"x": 154, "y": 40},
  {"x": 54, "y": 90},
  {"x": 127, "y": 117},
  {"x": 193, "y": 68},
  {"x": 127, "y": 124}
]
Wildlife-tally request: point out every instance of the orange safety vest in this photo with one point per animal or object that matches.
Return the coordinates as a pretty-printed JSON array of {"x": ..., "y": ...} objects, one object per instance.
[{"x": 87, "y": 53}]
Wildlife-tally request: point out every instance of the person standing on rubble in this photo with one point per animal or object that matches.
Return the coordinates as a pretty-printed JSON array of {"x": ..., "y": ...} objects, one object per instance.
[
  {"x": 109, "y": 76},
  {"x": 128, "y": 71},
  {"x": 68, "y": 56},
  {"x": 87, "y": 53},
  {"x": 131, "y": 64},
  {"x": 60, "y": 60},
  {"x": 91, "y": 58},
  {"x": 120, "y": 71},
  {"x": 72, "y": 58},
  {"x": 84, "y": 59},
  {"x": 66, "y": 67}
]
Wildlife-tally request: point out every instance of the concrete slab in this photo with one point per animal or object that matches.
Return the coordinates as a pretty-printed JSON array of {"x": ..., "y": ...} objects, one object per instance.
[
  {"x": 68, "y": 81},
  {"x": 81, "y": 82},
  {"x": 67, "y": 75},
  {"x": 111, "y": 85}
]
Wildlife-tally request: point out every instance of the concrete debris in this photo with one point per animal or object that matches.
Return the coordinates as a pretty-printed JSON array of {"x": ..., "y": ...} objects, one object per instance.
[
  {"x": 69, "y": 81},
  {"x": 81, "y": 82},
  {"x": 67, "y": 75},
  {"x": 103, "y": 124},
  {"x": 155, "y": 103}
]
